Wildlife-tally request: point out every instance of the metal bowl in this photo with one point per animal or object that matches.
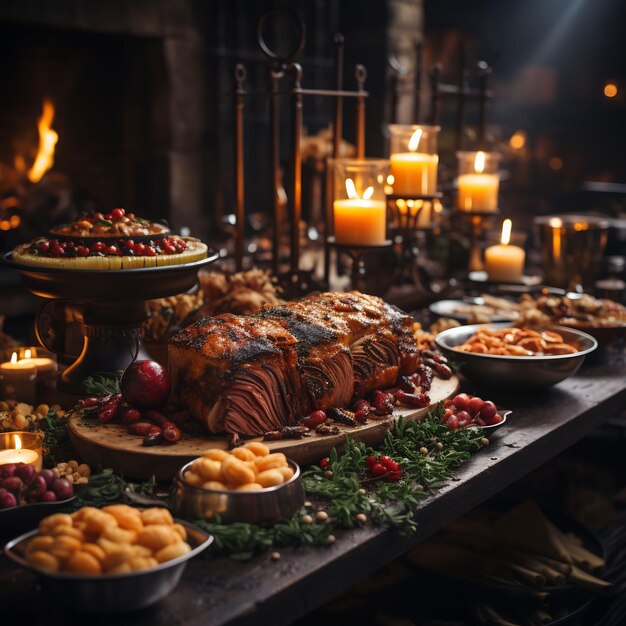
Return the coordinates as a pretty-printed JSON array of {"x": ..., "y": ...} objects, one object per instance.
[
  {"x": 263, "y": 507},
  {"x": 516, "y": 372},
  {"x": 112, "y": 593}
]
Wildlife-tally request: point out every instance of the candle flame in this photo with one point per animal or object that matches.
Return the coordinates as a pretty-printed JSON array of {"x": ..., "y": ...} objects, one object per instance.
[
  {"x": 14, "y": 357},
  {"x": 17, "y": 442},
  {"x": 506, "y": 232},
  {"x": 479, "y": 163},
  {"x": 351, "y": 189},
  {"x": 27, "y": 353},
  {"x": 555, "y": 222},
  {"x": 415, "y": 140},
  {"x": 368, "y": 193},
  {"x": 47, "y": 141}
]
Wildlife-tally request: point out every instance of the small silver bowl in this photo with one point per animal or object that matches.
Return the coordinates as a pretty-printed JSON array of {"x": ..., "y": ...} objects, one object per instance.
[
  {"x": 263, "y": 507},
  {"x": 112, "y": 593},
  {"x": 515, "y": 372}
]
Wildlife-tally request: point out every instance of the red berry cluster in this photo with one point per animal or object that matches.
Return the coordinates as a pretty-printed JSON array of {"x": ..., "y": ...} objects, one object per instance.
[
  {"x": 116, "y": 215},
  {"x": 383, "y": 466},
  {"x": 23, "y": 484},
  {"x": 465, "y": 410},
  {"x": 122, "y": 247}
]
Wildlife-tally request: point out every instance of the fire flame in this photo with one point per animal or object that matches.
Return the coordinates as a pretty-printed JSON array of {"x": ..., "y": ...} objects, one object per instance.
[
  {"x": 479, "y": 162},
  {"x": 353, "y": 194},
  {"x": 506, "y": 232},
  {"x": 17, "y": 442},
  {"x": 414, "y": 142},
  {"x": 47, "y": 141}
]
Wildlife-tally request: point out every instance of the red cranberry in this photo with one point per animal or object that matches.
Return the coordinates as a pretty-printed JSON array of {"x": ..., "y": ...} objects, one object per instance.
[
  {"x": 139, "y": 248},
  {"x": 149, "y": 251},
  {"x": 82, "y": 251},
  {"x": 131, "y": 216},
  {"x": 113, "y": 250},
  {"x": 98, "y": 246},
  {"x": 378, "y": 469},
  {"x": 117, "y": 214}
]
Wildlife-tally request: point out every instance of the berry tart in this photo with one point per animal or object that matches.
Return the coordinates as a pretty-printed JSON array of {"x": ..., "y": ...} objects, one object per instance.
[{"x": 117, "y": 240}]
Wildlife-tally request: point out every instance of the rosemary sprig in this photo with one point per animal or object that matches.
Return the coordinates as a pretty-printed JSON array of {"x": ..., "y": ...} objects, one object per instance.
[
  {"x": 102, "y": 385},
  {"x": 55, "y": 437}
]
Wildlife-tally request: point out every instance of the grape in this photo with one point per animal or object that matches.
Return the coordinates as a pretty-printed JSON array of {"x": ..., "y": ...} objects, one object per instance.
[
  {"x": 488, "y": 410},
  {"x": 475, "y": 405},
  {"x": 13, "y": 484},
  {"x": 7, "y": 500},
  {"x": 453, "y": 422},
  {"x": 49, "y": 476},
  {"x": 7, "y": 470},
  {"x": 461, "y": 401},
  {"x": 48, "y": 496},
  {"x": 25, "y": 472},
  {"x": 62, "y": 489},
  {"x": 37, "y": 487}
]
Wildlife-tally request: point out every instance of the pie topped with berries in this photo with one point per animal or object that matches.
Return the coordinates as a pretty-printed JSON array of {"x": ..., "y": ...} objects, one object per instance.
[{"x": 110, "y": 242}]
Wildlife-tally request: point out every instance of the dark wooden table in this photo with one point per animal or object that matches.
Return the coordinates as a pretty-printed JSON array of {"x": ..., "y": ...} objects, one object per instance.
[{"x": 261, "y": 591}]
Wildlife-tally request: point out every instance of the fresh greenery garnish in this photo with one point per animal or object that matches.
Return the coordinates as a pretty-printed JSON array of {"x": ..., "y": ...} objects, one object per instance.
[
  {"x": 102, "y": 385},
  {"x": 54, "y": 430},
  {"x": 427, "y": 451}
]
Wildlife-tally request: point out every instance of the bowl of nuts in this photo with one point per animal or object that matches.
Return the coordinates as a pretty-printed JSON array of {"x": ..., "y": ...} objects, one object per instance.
[
  {"x": 248, "y": 484},
  {"x": 109, "y": 560},
  {"x": 520, "y": 358}
]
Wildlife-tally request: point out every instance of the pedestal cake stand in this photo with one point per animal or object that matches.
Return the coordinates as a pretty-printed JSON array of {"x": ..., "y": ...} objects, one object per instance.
[{"x": 113, "y": 303}]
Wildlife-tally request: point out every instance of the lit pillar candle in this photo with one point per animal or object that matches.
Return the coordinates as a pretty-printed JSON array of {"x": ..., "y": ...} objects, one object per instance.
[
  {"x": 360, "y": 221},
  {"x": 18, "y": 379},
  {"x": 414, "y": 172},
  {"x": 45, "y": 365},
  {"x": 19, "y": 454},
  {"x": 478, "y": 191},
  {"x": 505, "y": 263}
]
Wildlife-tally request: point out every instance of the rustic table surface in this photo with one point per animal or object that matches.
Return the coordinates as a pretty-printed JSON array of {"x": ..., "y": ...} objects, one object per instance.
[{"x": 261, "y": 591}]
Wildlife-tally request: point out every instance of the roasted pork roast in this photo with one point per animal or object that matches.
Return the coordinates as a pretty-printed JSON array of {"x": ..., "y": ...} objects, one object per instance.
[{"x": 256, "y": 373}]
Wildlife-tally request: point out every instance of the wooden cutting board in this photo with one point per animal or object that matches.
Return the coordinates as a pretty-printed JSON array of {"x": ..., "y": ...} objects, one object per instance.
[{"x": 110, "y": 445}]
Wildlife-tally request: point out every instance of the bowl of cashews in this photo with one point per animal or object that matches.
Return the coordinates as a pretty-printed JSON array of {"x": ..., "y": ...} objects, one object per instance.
[
  {"x": 498, "y": 355},
  {"x": 109, "y": 560},
  {"x": 248, "y": 484}
]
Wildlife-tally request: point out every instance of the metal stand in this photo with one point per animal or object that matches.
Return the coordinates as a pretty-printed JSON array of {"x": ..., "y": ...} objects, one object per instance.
[
  {"x": 357, "y": 254},
  {"x": 405, "y": 212},
  {"x": 478, "y": 221},
  {"x": 282, "y": 67}
]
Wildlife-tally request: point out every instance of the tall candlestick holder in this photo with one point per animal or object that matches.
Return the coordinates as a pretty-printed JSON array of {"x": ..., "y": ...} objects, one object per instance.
[
  {"x": 478, "y": 222},
  {"x": 357, "y": 254}
]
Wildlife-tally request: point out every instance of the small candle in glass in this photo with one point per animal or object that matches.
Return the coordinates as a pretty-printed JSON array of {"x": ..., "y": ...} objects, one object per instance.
[
  {"x": 17, "y": 379},
  {"x": 504, "y": 262},
  {"x": 414, "y": 159},
  {"x": 478, "y": 182},
  {"x": 359, "y": 206},
  {"x": 21, "y": 447}
]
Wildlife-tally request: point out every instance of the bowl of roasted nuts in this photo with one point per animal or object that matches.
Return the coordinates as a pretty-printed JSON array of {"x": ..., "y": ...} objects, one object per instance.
[
  {"x": 248, "y": 484},
  {"x": 522, "y": 358},
  {"x": 109, "y": 560}
]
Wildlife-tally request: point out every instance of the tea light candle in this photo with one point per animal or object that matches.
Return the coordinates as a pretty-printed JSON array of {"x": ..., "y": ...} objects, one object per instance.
[
  {"x": 478, "y": 191},
  {"x": 18, "y": 379},
  {"x": 19, "y": 454},
  {"x": 360, "y": 221},
  {"x": 505, "y": 263}
]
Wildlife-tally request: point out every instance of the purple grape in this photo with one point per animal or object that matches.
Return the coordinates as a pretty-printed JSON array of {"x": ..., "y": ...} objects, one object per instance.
[
  {"x": 62, "y": 489},
  {"x": 48, "y": 496},
  {"x": 13, "y": 484},
  {"x": 7, "y": 470},
  {"x": 37, "y": 487},
  {"x": 49, "y": 476},
  {"x": 7, "y": 500},
  {"x": 25, "y": 472}
]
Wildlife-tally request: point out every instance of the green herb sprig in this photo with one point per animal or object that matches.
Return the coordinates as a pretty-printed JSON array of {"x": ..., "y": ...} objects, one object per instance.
[
  {"x": 428, "y": 453},
  {"x": 102, "y": 385}
]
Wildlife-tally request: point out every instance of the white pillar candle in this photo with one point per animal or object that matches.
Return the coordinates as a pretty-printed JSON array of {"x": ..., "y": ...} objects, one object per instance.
[{"x": 505, "y": 263}]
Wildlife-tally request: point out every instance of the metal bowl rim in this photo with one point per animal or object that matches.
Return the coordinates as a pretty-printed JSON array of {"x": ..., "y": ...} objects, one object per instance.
[
  {"x": 16, "y": 558},
  {"x": 34, "y": 505},
  {"x": 180, "y": 477},
  {"x": 439, "y": 340}
]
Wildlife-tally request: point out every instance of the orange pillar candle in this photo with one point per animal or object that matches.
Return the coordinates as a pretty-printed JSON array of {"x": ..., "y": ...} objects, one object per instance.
[
  {"x": 478, "y": 190},
  {"x": 413, "y": 161},
  {"x": 360, "y": 221},
  {"x": 505, "y": 263}
]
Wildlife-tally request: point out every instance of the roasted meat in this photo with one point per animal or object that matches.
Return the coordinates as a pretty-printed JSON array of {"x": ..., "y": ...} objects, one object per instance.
[{"x": 252, "y": 374}]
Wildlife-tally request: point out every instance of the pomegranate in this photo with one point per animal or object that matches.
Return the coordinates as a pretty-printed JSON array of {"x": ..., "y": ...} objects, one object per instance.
[{"x": 145, "y": 384}]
